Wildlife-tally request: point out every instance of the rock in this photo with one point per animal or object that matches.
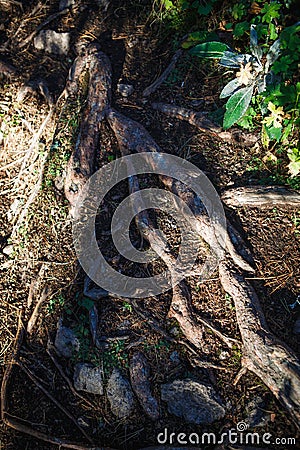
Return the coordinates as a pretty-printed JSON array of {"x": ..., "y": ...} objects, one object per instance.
[
  {"x": 52, "y": 42},
  {"x": 174, "y": 357},
  {"x": 119, "y": 394},
  {"x": 88, "y": 378},
  {"x": 139, "y": 377},
  {"x": 66, "y": 342},
  {"x": 63, "y": 4},
  {"x": 103, "y": 4},
  {"x": 125, "y": 89},
  {"x": 8, "y": 250},
  {"x": 255, "y": 415},
  {"x": 296, "y": 327},
  {"x": 193, "y": 401}
]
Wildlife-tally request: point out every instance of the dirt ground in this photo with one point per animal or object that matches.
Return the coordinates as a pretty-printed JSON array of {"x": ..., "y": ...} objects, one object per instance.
[{"x": 36, "y": 237}]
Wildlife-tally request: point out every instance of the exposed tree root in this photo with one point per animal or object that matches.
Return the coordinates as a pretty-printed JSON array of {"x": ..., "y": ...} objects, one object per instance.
[
  {"x": 81, "y": 164},
  {"x": 133, "y": 137},
  {"x": 205, "y": 125},
  {"x": 265, "y": 355},
  {"x": 272, "y": 361},
  {"x": 261, "y": 197}
]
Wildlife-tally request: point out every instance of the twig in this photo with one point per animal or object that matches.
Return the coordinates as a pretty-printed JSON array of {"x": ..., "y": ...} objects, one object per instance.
[
  {"x": 17, "y": 344},
  {"x": 34, "y": 316},
  {"x": 56, "y": 402},
  {"x": 199, "y": 120},
  {"x": 154, "y": 86},
  {"x": 50, "y": 350},
  {"x": 42, "y": 25},
  {"x": 35, "y": 285},
  {"x": 17, "y": 425}
]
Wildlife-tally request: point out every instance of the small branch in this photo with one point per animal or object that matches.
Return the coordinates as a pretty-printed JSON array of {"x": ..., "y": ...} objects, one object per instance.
[
  {"x": 56, "y": 402},
  {"x": 50, "y": 351},
  {"x": 19, "y": 426},
  {"x": 34, "y": 316},
  {"x": 5, "y": 380},
  {"x": 42, "y": 25},
  {"x": 154, "y": 86},
  {"x": 261, "y": 197}
]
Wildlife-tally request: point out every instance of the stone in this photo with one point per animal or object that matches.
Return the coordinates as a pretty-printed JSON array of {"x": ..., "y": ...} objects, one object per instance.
[
  {"x": 119, "y": 394},
  {"x": 296, "y": 327},
  {"x": 52, "y": 42},
  {"x": 125, "y": 89},
  {"x": 88, "y": 378},
  {"x": 255, "y": 414},
  {"x": 139, "y": 377},
  {"x": 192, "y": 401},
  {"x": 66, "y": 341},
  {"x": 63, "y": 4},
  {"x": 174, "y": 357},
  {"x": 8, "y": 250}
]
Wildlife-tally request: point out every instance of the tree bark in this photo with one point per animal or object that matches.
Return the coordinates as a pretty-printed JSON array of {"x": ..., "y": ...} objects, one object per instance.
[
  {"x": 263, "y": 354},
  {"x": 261, "y": 197}
]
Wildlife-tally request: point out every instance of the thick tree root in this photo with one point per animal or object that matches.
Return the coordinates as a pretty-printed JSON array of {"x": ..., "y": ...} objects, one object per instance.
[
  {"x": 81, "y": 164},
  {"x": 132, "y": 137},
  {"x": 271, "y": 360},
  {"x": 263, "y": 354},
  {"x": 261, "y": 197}
]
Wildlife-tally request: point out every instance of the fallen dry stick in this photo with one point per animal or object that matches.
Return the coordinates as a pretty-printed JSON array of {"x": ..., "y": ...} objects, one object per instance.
[
  {"x": 265, "y": 355},
  {"x": 261, "y": 196},
  {"x": 53, "y": 399},
  {"x": 34, "y": 316}
]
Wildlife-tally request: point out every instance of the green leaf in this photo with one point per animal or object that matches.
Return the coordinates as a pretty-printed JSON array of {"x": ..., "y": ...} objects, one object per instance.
[
  {"x": 282, "y": 65},
  {"x": 274, "y": 133},
  {"x": 273, "y": 32},
  {"x": 273, "y": 54},
  {"x": 198, "y": 37},
  {"x": 168, "y": 4},
  {"x": 247, "y": 120},
  {"x": 241, "y": 28},
  {"x": 86, "y": 303},
  {"x": 294, "y": 168},
  {"x": 270, "y": 11},
  {"x": 237, "y": 106},
  {"x": 238, "y": 11},
  {"x": 209, "y": 50},
  {"x": 205, "y": 9},
  {"x": 230, "y": 88}
]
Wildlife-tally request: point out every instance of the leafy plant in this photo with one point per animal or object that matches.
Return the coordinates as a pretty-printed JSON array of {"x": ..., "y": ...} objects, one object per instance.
[{"x": 253, "y": 74}]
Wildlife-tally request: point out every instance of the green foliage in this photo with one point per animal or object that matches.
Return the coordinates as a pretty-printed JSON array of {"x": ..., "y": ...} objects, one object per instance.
[
  {"x": 115, "y": 356},
  {"x": 264, "y": 75},
  {"x": 55, "y": 303},
  {"x": 209, "y": 50}
]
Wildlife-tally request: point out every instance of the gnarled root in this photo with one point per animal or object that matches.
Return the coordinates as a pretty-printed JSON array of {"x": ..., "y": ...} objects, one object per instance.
[{"x": 263, "y": 354}]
